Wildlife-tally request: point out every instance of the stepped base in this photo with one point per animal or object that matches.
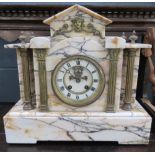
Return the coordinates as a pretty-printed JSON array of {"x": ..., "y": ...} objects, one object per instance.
[{"x": 124, "y": 127}]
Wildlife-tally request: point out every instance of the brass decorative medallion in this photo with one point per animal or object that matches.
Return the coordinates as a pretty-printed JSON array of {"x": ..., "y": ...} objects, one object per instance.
[
  {"x": 78, "y": 25},
  {"x": 78, "y": 80}
]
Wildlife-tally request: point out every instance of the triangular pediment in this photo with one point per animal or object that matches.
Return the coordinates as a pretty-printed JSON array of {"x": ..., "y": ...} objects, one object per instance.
[{"x": 75, "y": 8}]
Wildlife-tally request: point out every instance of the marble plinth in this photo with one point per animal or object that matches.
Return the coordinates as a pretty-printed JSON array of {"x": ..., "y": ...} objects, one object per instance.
[{"x": 125, "y": 127}]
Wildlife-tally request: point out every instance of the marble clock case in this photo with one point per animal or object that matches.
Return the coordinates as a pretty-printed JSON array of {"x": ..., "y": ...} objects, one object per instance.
[{"x": 39, "y": 115}]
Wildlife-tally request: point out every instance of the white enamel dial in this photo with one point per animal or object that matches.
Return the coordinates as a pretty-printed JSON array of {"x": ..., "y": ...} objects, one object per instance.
[{"x": 78, "y": 80}]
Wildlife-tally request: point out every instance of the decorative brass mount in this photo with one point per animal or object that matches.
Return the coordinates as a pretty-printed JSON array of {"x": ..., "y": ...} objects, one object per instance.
[
  {"x": 25, "y": 37},
  {"x": 78, "y": 25}
]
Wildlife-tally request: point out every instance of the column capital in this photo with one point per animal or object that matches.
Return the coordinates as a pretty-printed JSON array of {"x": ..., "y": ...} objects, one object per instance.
[{"x": 41, "y": 54}]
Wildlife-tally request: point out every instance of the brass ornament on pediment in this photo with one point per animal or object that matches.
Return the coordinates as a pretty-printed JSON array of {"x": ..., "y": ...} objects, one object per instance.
[{"x": 78, "y": 25}]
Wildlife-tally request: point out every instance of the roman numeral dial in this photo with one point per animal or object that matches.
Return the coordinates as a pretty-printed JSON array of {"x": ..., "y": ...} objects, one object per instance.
[{"x": 78, "y": 80}]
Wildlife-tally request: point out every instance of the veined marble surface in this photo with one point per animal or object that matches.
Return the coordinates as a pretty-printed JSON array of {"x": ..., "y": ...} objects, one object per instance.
[
  {"x": 31, "y": 126},
  {"x": 77, "y": 7},
  {"x": 19, "y": 45},
  {"x": 89, "y": 46},
  {"x": 63, "y": 46},
  {"x": 58, "y": 24},
  {"x": 36, "y": 42},
  {"x": 78, "y": 31},
  {"x": 93, "y": 46},
  {"x": 137, "y": 45}
]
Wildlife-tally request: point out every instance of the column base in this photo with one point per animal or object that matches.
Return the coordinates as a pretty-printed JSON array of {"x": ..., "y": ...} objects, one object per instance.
[
  {"x": 43, "y": 108},
  {"x": 28, "y": 106},
  {"x": 127, "y": 106}
]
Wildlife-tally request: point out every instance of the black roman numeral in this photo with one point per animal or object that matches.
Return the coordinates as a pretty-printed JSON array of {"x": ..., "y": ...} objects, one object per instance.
[
  {"x": 69, "y": 94},
  {"x": 87, "y": 65},
  {"x": 92, "y": 89},
  {"x": 68, "y": 64},
  {"x": 95, "y": 80},
  {"x": 86, "y": 95},
  {"x": 78, "y": 62},
  {"x": 59, "y": 80},
  {"x": 62, "y": 88},
  {"x": 93, "y": 71},
  {"x": 77, "y": 97}
]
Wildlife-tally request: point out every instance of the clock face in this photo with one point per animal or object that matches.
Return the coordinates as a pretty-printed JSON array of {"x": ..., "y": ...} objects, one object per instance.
[{"x": 78, "y": 80}]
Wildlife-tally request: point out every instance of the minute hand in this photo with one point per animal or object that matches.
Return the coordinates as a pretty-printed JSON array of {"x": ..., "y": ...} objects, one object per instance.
[
  {"x": 71, "y": 75},
  {"x": 84, "y": 78}
]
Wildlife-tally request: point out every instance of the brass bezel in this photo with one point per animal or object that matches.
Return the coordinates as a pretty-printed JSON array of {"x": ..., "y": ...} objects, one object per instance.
[{"x": 90, "y": 99}]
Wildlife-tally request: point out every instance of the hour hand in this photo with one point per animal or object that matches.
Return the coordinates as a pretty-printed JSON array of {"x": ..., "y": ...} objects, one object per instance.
[
  {"x": 84, "y": 78},
  {"x": 71, "y": 77}
]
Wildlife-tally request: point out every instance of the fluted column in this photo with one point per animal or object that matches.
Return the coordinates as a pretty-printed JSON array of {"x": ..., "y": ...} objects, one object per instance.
[
  {"x": 113, "y": 53},
  {"x": 131, "y": 53},
  {"x": 26, "y": 79},
  {"x": 41, "y": 55}
]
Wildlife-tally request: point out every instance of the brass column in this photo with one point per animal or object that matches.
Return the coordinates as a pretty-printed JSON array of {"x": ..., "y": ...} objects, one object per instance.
[
  {"x": 113, "y": 53},
  {"x": 41, "y": 55},
  {"x": 131, "y": 53},
  {"x": 26, "y": 79}
]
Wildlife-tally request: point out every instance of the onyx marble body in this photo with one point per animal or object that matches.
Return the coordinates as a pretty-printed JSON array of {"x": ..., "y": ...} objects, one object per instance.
[
  {"x": 78, "y": 31},
  {"x": 88, "y": 46}
]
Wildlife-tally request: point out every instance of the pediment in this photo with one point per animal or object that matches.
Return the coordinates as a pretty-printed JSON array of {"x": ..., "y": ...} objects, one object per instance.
[
  {"x": 77, "y": 21},
  {"x": 77, "y": 10}
]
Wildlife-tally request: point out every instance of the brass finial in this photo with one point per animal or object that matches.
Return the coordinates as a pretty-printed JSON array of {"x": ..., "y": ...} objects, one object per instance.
[
  {"x": 22, "y": 37},
  {"x": 124, "y": 36},
  {"x": 133, "y": 37},
  {"x": 25, "y": 37}
]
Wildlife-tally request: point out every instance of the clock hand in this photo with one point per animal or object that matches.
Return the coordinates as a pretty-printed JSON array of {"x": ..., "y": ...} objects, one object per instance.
[
  {"x": 71, "y": 75},
  {"x": 84, "y": 78},
  {"x": 74, "y": 77},
  {"x": 78, "y": 71}
]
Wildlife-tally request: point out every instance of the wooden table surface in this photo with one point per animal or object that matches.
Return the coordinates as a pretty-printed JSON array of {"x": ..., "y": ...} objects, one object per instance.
[{"x": 68, "y": 146}]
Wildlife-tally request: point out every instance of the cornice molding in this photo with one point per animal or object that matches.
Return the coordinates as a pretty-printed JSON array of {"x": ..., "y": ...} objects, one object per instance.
[
  {"x": 17, "y": 18},
  {"x": 41, "y": 13}
]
